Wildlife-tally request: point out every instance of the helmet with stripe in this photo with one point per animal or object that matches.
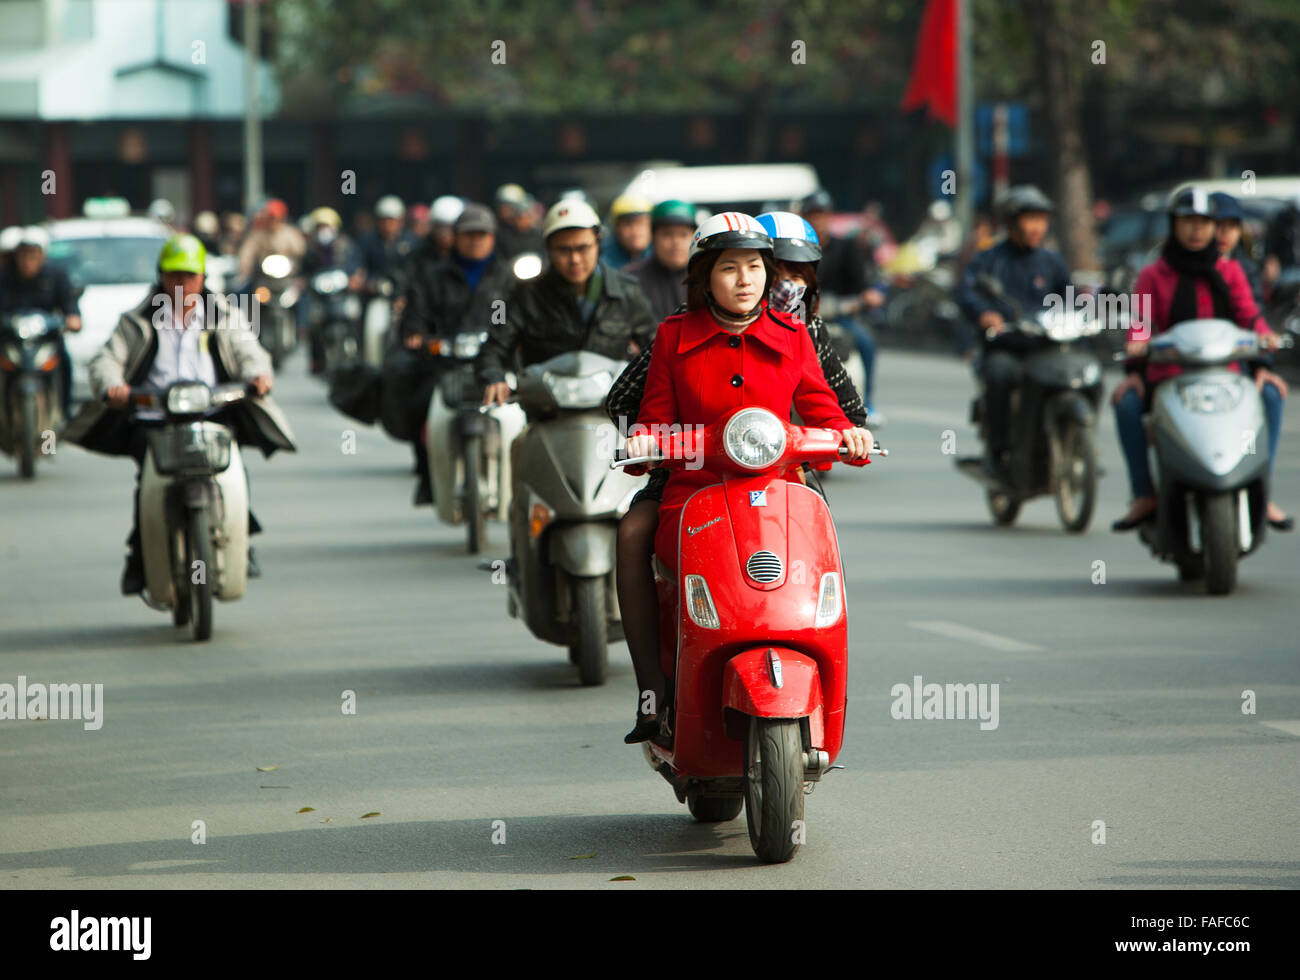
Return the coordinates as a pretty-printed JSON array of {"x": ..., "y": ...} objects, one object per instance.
[
  {"x": 1191, "y": 200},
  {"x": 730, "y": 229},
  {"x": 793, "y": 238}
]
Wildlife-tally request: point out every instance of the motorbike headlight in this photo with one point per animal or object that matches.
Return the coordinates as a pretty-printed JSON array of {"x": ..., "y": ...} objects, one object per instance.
[
  {"x": 830, "y": 600},
  {"x": 352, "y": 307},
  {"x": 277, "y": 266},
  {"x": 528, "y": 266},
  {"x": 1091, "y": 373},
  {"x": 1209, "y": 397},
  {"x": 329, "y": 282},
  {"x": 754, "y": 438},
  {"x": 188, "y": 399},
  {"x": 29, "y": 325},
  {"x": 579, "y": 393},
  {"x": 467, "y": 345},
  {"x": 699, "y": 604}
]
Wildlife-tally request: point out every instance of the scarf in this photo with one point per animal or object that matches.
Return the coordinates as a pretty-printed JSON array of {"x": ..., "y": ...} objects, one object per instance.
[
  {"x": 1190, "y": 267},
  {"x": 733, "y": 321}
]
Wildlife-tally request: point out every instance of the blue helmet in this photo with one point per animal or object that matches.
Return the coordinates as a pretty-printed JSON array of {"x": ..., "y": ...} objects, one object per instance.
[
  {"x": 793, "y": 238},
  {"x": 1227, "y": 207}
]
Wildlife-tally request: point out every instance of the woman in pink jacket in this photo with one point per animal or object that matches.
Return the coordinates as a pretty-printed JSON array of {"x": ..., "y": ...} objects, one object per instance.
[{"x": 1189, "y": 281}]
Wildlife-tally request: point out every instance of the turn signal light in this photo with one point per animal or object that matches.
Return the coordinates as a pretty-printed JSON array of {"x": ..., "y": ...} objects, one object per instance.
[
  {"x": 51, "y": 363},
  {"x": 538, "y": 517},
  {"x": 262, "y": 294}
]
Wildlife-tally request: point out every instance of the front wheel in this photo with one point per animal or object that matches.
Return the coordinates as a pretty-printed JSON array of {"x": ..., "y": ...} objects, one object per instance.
[
  {"x": 475, "y": 519},
  {"x": 774, "y": 788},
  {"x": 198, "y": 567},
  {"x": 27, "y": 437},
  {"x": 1003, "y": 507},
  {"x": 1076, "y": 477},
  {"x": 590, "y": 647},
  {"x": 1219, "y": 542}
]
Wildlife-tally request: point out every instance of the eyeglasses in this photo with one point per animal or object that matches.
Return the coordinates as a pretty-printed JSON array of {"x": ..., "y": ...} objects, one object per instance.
[{"x": 565, "y": 251}]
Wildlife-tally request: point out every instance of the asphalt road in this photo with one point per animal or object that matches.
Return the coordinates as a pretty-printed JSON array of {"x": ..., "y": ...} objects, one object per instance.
[{"x": 1118, "y": 702}]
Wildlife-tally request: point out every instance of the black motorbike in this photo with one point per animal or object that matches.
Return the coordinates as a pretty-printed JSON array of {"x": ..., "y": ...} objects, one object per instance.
[
  {"x": 1053, "y": 418},
  {"x": 273, "y": 295},
  {"x": 31, "y": 384},
  {"x": 335, "y": 317}
]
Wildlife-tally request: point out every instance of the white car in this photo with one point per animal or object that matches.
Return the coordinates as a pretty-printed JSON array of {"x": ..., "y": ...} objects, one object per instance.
[{"x": 113, "y": 262}]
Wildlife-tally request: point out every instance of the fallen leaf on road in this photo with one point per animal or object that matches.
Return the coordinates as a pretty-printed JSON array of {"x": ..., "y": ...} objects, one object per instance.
[
  {"x": 267, "y": 768},
  {"x": 328, "y": 820},
  {"x": 308, "y": 809},
  {"x": 623, "y": 878},
  {"x": 581, "y": 857},
  {"x": 372, "y": 813}
]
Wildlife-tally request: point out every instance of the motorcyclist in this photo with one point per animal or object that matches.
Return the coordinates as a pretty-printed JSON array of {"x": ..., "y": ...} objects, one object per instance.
[
  {"x": 30, "y": 283},
  {"x": 463, "y": 294},
  {"x": 1190, "y": 280},
  {"x": 794, "y": 291},
  {"x": 662, "y": 274},
  {"x": 437, "y": 245},
  {"x": 385, "y": 250},
  {"x": 158, "y": 343},
  {"x": 846, "y": 290},
  {"x": 327, "y": 248},
  {"x": 694, "y": 376},
  {"x": 512, "y": 202},
  {"x": 271, "y": 235},
  {"x": 578, "y": 303},
  {"x": 1228, "y": 238},
  {"x": 162, "y": 210},
  {"x": 417, "y": 221},
  {"x": 1029, "y": 273},
  {"x": 630, "y": 217}
]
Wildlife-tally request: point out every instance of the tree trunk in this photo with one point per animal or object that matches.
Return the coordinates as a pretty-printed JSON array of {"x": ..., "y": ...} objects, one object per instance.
[{"x": 1062, "y": 59}]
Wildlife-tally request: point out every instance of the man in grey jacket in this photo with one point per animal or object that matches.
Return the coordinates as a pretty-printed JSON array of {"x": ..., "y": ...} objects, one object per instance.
[{"x": 180, "y": 332}]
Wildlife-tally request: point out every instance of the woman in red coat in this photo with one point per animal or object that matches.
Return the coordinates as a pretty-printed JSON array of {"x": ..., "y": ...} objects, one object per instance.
[{"x": 727, "y": 350}]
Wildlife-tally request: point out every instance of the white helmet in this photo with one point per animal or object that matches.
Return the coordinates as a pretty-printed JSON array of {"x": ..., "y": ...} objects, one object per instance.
[
  {"x": 390, "y": 206},
  {"x": 730, "y": 229},
  {"x": 446, "y": 209},
  {"x": 34, "y": 236},
  {"x": 9, "y": 238},
  {"x": 161, "y": 210},
  {"x": 570, "y": 214}
]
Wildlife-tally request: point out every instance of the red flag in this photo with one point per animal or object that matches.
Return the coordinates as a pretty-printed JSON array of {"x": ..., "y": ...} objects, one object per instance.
[{"x": 934, "y": 70}]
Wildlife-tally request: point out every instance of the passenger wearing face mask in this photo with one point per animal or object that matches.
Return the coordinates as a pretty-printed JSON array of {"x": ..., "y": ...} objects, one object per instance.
[{"x": 327, "y": 248}]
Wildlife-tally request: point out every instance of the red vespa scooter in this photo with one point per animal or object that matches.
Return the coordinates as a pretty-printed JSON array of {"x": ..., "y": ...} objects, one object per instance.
[{"x": 753, "y": 631}]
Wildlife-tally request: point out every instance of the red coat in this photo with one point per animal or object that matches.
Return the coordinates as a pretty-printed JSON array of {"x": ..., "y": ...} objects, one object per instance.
[
  {"x": 1156, "y": 285},
  {"x": 699, "y": 371}
]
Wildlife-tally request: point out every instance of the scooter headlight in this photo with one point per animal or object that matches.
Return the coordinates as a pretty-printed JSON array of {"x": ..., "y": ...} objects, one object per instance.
[
  {"x": 277, "y": 266},
  {"x": 1209, "y": 397},
  {"x": 830, "y": 600},
  {"x": 1091, "y": 373},
  {"x": 467, "y": 345},
  {"x": 579, "y": 393},
  {"x": 699, "y": 604},
  {"x": 29, "y": 325},
  {"x": 754, "y": 438},
  {"x": 188, "y": 399},
  {"x": 352, "y": 307}
]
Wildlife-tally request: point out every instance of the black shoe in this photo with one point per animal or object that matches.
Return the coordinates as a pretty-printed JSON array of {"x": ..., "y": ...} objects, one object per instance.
[
  {"x": 1129, "y": 523},
  {"x": 644, "y": 730},
  {"x": 1285, "y": 524},
  {"x": 133, "y": 576},
  {"x": 254, "y": 569},
  {"x": 423, "y": 494}
]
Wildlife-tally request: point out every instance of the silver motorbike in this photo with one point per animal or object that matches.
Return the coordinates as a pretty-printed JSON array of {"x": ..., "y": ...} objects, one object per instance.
[
  {"x": 565, "y": 508},
  {"x": 1210, "y": 437}
]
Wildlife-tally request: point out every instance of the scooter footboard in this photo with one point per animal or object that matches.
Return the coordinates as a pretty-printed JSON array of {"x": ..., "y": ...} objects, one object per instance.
[{"x": 775, "y": 682}]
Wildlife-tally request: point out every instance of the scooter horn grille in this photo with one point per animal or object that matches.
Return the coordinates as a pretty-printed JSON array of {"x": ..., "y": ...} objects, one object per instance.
[{"x": 763, "y": 566}]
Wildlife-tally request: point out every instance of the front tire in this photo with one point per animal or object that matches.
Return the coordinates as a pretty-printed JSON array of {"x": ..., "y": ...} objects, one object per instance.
[
  {"x": 27, "y": 437},
  {"x": 1004, "y": 507},
  {"x": 1220, "y": 543},
  {"x": 199, "y": 549},
  {"x": 475, "y": 519},
  {"x": 1076, "y": 477},
  {"x": 590, "y": 649},
  {"x": 773, "y": 787}
]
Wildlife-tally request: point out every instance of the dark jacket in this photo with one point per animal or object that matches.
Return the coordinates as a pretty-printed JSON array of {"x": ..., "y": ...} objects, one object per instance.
[
  {"x": 543, "y": 319},
  {"x": 624, "y": 400},
  {"x": 48, "y": 290},
  {"x": 1251, "y": 268},
  {"x": 128, "y": 356},
  {"x": 512, "y": 242},
  {"x": 382, "y": 258},
  {"x": 666, "y": 290},
  {"x": 1028, "y": 277},
  {"x": 441, "y": 303}
]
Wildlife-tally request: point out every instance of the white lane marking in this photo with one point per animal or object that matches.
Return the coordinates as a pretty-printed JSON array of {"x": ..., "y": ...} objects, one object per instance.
[
  {"x": 1290, "y": 727},
  {"x": 956, "y": 631}
]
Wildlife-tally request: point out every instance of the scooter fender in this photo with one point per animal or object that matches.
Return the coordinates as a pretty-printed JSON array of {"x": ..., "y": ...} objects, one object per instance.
[
  {"x": 584, "y": 549},
  {"x": 155, "y": 536},
  {"x": 1070, "y": 406},
  {"x": 444, "y": 458},
  {"x": 230, "y": 552},
  {"x": 775, "y": 682}
]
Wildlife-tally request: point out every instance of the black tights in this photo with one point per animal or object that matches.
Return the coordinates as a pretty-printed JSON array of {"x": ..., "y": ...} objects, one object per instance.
[{"x": 639, "y": 602}]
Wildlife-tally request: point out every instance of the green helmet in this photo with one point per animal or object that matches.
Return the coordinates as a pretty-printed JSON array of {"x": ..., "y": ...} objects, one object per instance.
[
  {"x": 182, "y": 253},
  {"x": 672, "y": 213}
]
